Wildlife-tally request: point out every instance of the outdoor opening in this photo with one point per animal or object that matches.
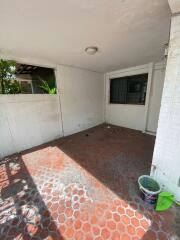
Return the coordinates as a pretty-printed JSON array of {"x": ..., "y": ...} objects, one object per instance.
[{"x": 26, "y": 79}]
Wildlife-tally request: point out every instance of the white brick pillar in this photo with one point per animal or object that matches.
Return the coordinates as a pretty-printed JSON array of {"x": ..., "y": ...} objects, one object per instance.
[{"x": 166, "y": 158}]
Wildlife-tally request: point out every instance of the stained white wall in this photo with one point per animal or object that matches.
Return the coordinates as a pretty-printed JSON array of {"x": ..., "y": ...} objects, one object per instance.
[
  {"x": 81, "y": 93},
  {"x": 139, "y": 117},
  {"x": 30, "y": 120}
]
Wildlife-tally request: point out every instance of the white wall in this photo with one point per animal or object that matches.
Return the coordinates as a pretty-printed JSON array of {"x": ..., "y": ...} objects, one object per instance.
[
  {"x": 81, "y": 93},
  {"x": 30, "y": 120},
  {"x": 155, "y": 97},
  {"x": 166, "y": 158},
  {"x": 139, "y": 117}
]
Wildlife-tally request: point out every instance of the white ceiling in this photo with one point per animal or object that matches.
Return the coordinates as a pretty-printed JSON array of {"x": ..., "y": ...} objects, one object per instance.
[
  {"x": 174, "y": 5},
  {"x": 127, "y": 32}
]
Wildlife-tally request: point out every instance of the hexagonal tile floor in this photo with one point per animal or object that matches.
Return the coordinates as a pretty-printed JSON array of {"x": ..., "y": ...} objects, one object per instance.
[{"x": 82, "y": 187}]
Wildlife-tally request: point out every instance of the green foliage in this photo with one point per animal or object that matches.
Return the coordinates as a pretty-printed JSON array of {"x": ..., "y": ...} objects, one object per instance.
[
  {"x": 8, "y": 84},
  {"x": 45, "y": 86},
  {"x": 12, "y": 87}
]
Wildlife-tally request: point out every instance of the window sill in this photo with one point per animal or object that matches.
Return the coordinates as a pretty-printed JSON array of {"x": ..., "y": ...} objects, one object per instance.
[{"x": 127, "y": 104}]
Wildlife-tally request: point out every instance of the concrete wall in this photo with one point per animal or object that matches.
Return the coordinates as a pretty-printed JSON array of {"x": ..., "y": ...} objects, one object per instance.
[
  {"x": 139, "y": 117},
  {"x": 166, "y": 158},
  {"x": 155, "y": 96},
  {"x": 30, "y": 120},
  {"x": 81, "y": 93}
]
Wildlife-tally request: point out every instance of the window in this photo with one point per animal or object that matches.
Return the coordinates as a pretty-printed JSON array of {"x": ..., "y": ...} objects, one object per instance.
[
  {"x": 129, "y": 90},
  {"x": 17, "y": 78},
  {"x": 34, "y": 79}
]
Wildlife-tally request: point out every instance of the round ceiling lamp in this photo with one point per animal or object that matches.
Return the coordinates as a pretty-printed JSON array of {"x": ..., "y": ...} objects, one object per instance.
[{"x": 91, "y": 50}]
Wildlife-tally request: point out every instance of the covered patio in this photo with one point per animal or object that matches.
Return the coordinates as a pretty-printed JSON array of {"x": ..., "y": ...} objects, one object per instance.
[{"x": 89, "y": 102}]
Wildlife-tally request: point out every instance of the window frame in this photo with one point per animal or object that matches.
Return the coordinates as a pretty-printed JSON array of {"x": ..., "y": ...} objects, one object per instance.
[
  {"x": 128, "y": 80},
  {"x": 146, "y": 68}
]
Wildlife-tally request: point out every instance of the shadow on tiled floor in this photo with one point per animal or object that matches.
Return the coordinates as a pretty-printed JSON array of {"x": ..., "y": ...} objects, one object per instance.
[
  {"x": 23, "y": 213},
  {"x": 82, "y": 187}
]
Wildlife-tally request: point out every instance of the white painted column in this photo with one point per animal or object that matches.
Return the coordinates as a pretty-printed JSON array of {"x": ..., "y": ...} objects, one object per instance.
[{"x": 166, "y": 158}]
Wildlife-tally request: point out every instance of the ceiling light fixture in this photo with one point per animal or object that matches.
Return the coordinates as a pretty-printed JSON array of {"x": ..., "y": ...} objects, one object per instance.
[{"x": 91, "y": 50}]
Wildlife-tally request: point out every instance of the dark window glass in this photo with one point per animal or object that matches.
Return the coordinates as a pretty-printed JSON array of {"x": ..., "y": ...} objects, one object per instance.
[{"x": 129, "y": 90}]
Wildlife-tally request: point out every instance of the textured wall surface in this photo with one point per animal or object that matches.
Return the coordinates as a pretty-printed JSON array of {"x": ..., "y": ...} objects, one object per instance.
[
  {"x": 166, "y": 159},
  {"x": 27, "y": 121}
]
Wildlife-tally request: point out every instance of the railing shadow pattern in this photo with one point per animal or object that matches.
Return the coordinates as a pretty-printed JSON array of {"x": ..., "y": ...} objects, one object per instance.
[{"x": 23, "y": 213}]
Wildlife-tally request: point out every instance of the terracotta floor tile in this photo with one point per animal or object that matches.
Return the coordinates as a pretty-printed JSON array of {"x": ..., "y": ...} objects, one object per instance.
[{"x": 82, "y": 187}]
